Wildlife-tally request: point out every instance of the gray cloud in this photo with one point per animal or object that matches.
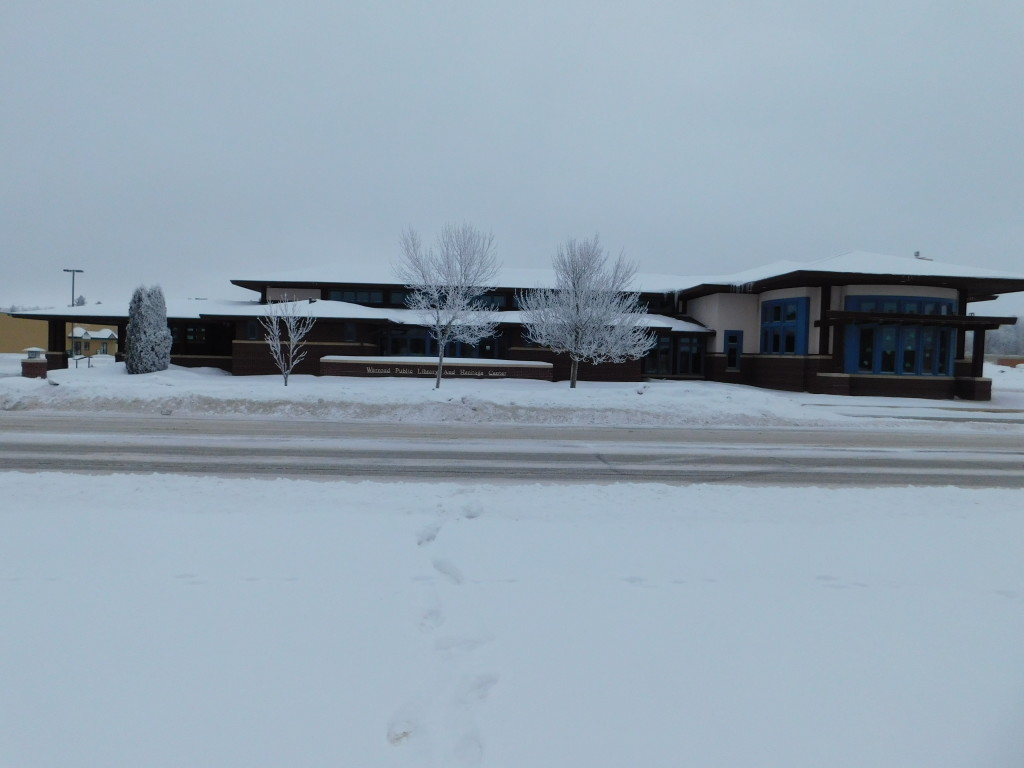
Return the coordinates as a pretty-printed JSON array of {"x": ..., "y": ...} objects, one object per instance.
[{"x": 187, "y": 143}]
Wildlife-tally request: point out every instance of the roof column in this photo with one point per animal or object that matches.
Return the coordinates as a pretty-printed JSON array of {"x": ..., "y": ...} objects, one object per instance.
[
  {"x": 824, "y": 329},
  {"x": 961, "y": 333},
  {"x": 978, "y": 354},
  {"x": 56, "y": 344}
]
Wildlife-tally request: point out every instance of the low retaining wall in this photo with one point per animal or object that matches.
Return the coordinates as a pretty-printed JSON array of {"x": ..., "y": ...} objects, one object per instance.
[{"x": 425, "y": 367}]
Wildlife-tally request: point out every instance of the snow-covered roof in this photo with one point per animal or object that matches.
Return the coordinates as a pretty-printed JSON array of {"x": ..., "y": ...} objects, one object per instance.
[
  {"x": 672, "y": 324},
  {"x": 337, "y": 310},
  {"x": 863, "y": 262},
  {"x": 518, "y": 278},
  {"x": 854, "y": 262},
  {"x": 382, "y": 273},
  {"x": 78, "y": 332},
  {"x": 177, "y": 309},
  {"x": 648, "y": 321}
]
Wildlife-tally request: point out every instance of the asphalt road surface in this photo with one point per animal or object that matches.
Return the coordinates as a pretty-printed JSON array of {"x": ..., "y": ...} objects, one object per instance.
[{"x": 252, "y": 447}]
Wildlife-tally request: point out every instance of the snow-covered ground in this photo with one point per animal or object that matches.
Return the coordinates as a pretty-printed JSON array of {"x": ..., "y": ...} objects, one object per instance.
[
  {"x": 167, "y": 621},
  {"x": 184, "y": 391}
]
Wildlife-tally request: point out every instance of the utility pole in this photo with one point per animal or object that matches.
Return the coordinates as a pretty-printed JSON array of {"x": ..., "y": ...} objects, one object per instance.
[{"x": 73, "y": 272}]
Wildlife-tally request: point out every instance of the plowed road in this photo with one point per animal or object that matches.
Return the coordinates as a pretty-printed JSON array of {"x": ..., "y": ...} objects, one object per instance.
[{"x": 249, "y": 447}]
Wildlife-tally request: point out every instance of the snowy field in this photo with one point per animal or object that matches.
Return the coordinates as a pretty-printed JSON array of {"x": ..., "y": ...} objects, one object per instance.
[
  {"x": 185, "y": 391},
  {"x": 167, "y": 621}
]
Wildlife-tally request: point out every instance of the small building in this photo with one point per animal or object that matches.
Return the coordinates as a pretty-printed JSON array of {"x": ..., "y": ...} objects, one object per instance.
[
  {"x": 92, "y": 340},
  {"x": 859, "y": 323}
]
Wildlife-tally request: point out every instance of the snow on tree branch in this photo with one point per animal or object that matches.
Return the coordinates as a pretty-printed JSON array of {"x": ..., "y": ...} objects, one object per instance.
[
  {"x": 447, "y": 282},
  {"x": 591, "y": 314}
]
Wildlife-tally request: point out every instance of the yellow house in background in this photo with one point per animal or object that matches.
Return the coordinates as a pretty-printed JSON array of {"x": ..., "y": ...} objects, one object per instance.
[
  {"x": 89, "y": 340},
  {"x": 17, "y": 334}
]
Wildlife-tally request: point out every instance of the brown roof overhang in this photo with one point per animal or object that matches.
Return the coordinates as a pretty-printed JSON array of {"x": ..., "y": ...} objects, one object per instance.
[
  {"x": 977, "y": 288},
  {"x": 966, "y": 322}
]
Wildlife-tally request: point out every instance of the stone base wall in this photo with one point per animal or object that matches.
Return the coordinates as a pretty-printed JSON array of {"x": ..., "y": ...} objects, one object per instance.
[
  {"x": 792, "y": 373},
  {"x": 796, "y": 373},
  {"x": 203, "y": 361},
  {"x": 833, "y": 384},
  {"x": 929, "y": 387},
  {"x": 970, "y": 388},
  {"x": 716, "y": 370},
  {"x": 252, "y": 358}
]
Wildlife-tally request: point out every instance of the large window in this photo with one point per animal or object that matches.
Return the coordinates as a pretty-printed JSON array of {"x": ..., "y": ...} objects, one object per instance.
[
  {"x": 784, "y": 326},
  {"x": 904, "y": 349},
  {"x": 659, "y": 360},
  {"x": 690, "y": 355},
  {"x": 496, "y": 301},
  {"x": 675, "y": 356},
  {"x": 357, "y": 297},
  {"x": 414, "y": 342}
]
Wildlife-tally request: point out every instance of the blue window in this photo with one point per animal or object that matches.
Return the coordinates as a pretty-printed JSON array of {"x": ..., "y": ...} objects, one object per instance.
[
  {"x": 733, "y": 349},
  {"x": 784, "y": 326},
  {"x": 908, "y": 350},
  {"x": 903, "y": 305}
]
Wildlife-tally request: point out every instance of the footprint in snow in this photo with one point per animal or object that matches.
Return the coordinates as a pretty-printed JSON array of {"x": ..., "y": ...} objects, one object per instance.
[
  {"x": 449, "y": 571},
  {"x": 427, "y": 534},
  {"x": 431, "y": 619}
]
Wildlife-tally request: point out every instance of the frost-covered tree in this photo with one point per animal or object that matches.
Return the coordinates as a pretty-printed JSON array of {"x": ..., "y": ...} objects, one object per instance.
[
  {"x": 148, "y": 339},
  {"x": 1006, "y": 340},
  {"x": 591, "y": 314},
  {"x": 80, "y": 301},
  {"x": 447, "y": 282},
  {"x": 286, "y": 326}
]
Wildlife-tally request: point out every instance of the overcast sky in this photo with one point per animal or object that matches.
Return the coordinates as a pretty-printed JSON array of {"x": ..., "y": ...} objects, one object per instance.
[{"x": 189, "y": 142}]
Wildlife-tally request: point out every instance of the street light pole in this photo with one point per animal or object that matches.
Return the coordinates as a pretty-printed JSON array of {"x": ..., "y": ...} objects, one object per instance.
[{"x": 73, "y": 271}]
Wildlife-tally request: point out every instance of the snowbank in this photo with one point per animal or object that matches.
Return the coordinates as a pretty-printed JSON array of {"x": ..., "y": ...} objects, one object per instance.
[
  {"x": 195, "y": 391},
  {"x": 169, "y": 621}
]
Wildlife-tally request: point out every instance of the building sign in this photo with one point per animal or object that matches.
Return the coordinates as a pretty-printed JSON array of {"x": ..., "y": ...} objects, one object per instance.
[{"x": 499, "y": 369}]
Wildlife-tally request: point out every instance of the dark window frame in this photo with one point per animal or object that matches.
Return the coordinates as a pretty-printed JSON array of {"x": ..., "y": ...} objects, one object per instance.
[
  {"x": 784, "y": 324},
  {"x": 732, "y": 345}
]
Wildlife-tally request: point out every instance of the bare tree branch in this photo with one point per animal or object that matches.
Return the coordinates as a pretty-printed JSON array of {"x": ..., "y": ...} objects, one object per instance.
[{"x": 286, "y": 326}]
